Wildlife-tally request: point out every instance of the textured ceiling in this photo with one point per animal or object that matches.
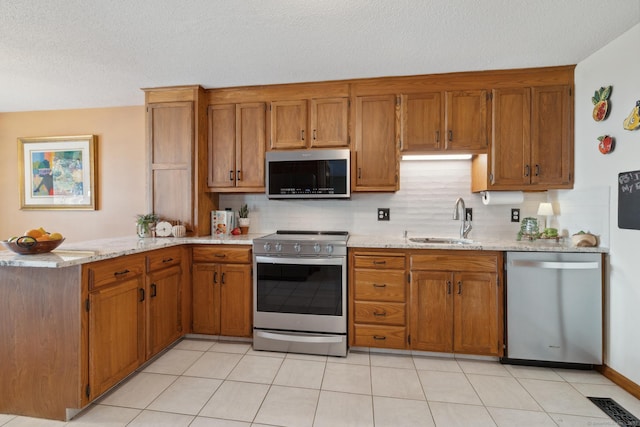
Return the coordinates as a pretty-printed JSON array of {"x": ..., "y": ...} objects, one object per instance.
[{"x": 59, "y": 54}]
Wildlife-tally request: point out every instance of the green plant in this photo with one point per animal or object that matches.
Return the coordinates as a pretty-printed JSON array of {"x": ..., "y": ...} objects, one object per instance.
[
  {"x": 146, "y": 219},
  {"x": 244, "y": 211}
]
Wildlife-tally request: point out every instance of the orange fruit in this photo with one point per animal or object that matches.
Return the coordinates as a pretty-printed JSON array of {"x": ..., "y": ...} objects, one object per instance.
[
  {"x": 34, "y": 232},
  {"x": 43, "y": 238},
  {"x": 55, "y": 236}
]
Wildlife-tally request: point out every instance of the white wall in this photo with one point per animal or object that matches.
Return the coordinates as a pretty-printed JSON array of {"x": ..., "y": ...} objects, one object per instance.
[{"x": 617, "y": 65}]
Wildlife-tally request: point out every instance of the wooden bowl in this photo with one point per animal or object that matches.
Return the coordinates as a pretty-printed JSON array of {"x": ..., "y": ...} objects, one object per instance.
[{"x": 26, "y": 245}]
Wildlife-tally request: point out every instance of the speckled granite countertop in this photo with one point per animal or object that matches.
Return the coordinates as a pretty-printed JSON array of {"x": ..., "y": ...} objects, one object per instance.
[
  {"x": 69, "y": 254},
  {"x": 541, "y": 245}
]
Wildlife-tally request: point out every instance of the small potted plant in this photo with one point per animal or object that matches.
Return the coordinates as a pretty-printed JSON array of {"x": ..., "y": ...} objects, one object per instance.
[
  {"x": 145, "y": 224},
  {"x": 243, "y": 220}
]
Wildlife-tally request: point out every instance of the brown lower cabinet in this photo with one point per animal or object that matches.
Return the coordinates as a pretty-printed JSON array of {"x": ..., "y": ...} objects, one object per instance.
[
  {"x": 222, "y": 290},
  {"x": 452, "y": 301}
]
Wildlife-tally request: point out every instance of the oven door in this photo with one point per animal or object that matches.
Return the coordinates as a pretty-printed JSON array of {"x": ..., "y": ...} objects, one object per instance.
[{"x": 300, "y": 294}]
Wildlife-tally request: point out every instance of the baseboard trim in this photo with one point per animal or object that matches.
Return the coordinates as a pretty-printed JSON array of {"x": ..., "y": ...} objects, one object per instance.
[{"x": 620, "y": 380}]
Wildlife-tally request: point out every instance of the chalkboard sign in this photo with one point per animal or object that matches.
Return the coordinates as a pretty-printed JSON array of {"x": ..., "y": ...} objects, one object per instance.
[{"x": 629, "y": 200}]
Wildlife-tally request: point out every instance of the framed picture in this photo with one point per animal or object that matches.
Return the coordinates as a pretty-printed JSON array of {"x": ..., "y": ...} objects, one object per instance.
[{"x": 58, "y": 172}]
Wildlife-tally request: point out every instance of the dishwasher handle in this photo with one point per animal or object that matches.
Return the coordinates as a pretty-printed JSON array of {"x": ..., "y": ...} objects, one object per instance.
[{"x": 556, "y": 265}]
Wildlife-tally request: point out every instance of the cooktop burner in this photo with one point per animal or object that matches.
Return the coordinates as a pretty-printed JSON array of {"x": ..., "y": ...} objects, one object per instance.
[{"x": 302, "y": 243}]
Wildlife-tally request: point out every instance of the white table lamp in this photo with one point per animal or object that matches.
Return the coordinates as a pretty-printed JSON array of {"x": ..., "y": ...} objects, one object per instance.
[{"x": 546, "y": 210}]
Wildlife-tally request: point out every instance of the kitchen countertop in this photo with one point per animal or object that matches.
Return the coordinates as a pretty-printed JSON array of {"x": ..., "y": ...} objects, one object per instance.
[{"x": 69, "y": 254}]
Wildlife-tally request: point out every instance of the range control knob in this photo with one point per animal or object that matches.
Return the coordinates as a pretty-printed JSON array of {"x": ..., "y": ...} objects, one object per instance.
[
  {"x": 278, "y": 247},
  {"x": 267, "y": 247},
  {"x": 297, "y": 247},
  {"x": 329, "y": 249},
  {"x": 317, "y": 248}
]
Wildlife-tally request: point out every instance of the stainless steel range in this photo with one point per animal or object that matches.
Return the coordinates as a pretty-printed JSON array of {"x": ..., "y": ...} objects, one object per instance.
[{"x": 300, "y": 292}]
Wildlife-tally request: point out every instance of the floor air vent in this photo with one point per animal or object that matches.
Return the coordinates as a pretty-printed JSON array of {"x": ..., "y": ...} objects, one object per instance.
[{"x": 616, "y": 412}]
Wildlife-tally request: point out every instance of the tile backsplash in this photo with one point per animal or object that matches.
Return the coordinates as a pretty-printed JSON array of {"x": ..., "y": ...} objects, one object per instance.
[{"x": 423, "y": 206}]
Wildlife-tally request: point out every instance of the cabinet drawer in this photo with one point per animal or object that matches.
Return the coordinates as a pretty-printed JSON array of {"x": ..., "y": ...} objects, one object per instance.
[
  {"x": 455, "y": 261},
  {"x": 386, "y": 261},
  {"x": 389, "y": 313},
  {"x": 222, "y": 253},
  {"x": 110, "y": 271},
  {"x": 380, "y": 336},
  {"x": 375, "y": 285},
  {"x": 164, "y": 258}
]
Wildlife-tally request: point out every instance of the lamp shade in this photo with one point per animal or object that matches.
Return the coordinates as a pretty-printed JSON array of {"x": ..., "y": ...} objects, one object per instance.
[{"x": 545, "y": 209}]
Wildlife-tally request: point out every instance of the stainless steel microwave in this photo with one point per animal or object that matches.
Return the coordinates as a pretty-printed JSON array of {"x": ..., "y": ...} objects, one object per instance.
[{"x": 308, "y": 174}]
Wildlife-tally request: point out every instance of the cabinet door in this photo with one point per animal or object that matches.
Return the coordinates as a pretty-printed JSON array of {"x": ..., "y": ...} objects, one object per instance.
[
  {"x": 466, "y": 121},
  {"x": 206, "y": 299},
  {"x": 551, "y": 148},
  {"x": 422, "y": 116},
  {"x": 171, "y": 134},
  {"x": 164, "y": 324},
  {"x": 116, "y": 333},
  {"x": 236, "y": 300},
  {"x": 511, "y": 144},
  {"x": 288, "y": 124},
  {"x": 222, "y": 145},
  {"x": 431, "y": 311},
  {"x": 376, "y": 133},
  {"x": 250, "y": 146},
  {"x": 476, "y": 313},
  {"x": 330, "y": 122}
]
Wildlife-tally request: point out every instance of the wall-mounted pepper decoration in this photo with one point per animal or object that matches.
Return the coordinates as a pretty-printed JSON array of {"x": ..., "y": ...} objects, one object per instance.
[
  {"x": 606, "y": 144},
  {"x": 600, "y": 101},
  {"x": 632, "y": 122}
]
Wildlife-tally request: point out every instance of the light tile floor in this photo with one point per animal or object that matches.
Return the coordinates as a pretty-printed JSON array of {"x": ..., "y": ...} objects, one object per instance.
[{"x": 202, "y": 383}]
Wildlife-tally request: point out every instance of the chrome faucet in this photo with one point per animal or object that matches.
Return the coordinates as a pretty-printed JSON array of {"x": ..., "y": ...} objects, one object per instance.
[{"x": 465, "y": 226}]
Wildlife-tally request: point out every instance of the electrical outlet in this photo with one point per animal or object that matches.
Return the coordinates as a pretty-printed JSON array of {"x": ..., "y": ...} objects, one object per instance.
[
  {"x": 383, "y": 214},
  {"x": 468, "y": 214},
  {"x": 515, "y": 215}
]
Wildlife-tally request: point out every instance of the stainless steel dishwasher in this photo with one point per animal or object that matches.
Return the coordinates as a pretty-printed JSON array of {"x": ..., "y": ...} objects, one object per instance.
[{"x": 554, "y": 308}]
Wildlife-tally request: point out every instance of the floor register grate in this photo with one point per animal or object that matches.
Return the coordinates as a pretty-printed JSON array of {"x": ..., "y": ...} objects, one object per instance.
[{"x": 616, "y": 412}]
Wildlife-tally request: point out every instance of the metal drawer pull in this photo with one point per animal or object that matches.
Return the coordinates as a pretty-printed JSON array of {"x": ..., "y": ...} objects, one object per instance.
[
  {"x": 230, "y": 175},
  {"x": 239, "y": 175},
  {"x": 459, "y": 287},
  {"x": 164, "y": 261},
  {"x": 449, "y": 287},
  {"x": 215, "y": 277},
  {"x": 375, "y": 285},
  {"x": 383, "y": 314},
  {"x": 379, "y": 338},
  {"x": 154, "y": 290},
  {"x": 120, "y": 273},
  {"x": 222, "y": 279},
  {"x": 537, "y": 170},
  {"x": 220, "y": 255},
  {"x": 526, "y": 170},
  {"x": 379, "y": 262},
  {"x": 141, "y": 295}
]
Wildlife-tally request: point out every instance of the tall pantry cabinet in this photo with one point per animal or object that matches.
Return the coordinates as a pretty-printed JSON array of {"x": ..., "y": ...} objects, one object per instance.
[{"x": 177, "y": 157}]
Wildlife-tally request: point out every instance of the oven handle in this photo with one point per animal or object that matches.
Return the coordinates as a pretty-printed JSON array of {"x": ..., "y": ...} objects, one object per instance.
[
  {"x": 300, "y": 338},
  {"x": 300, "y": 260}
]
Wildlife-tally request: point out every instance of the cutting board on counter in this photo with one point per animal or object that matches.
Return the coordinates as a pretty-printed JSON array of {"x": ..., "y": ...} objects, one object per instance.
[{"x": 629, "y": 200}]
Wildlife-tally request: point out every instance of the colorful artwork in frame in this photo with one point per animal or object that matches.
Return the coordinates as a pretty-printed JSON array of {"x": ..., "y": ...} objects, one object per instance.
[{"x": 58, "y": 172}]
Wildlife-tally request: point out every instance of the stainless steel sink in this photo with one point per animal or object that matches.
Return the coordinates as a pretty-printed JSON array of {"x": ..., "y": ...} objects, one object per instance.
[{"x": 440, "y": 240}]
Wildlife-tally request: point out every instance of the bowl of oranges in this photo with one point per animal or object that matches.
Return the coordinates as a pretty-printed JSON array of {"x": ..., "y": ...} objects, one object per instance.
[{"x": 34, "y": 241}]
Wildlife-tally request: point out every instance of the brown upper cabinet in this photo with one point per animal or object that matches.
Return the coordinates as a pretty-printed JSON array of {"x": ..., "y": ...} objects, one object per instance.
[
  {"x": 236, "y": 147},
  {"x": 375, "y": 166},
  {"x": 452, "y": 121},
  {"x": 177, "y": 147},
  {"x": 532, "y": 141},
  {"x": 313, "y": 123}
]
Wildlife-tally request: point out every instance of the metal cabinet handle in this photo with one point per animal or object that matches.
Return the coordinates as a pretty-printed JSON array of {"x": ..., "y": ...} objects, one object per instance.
[
  {"x": 537, "y": 170},
  {"x": 379, "y": 338},
  {"x": 379, "y": 262},
  {"x": 375, "y": 285},
  {"x": 215, "y": 277},
  {"x": 315, "y": 134},
  {"x": 141, "y": 294},
  {"x": 526, "y": 170},
  {"x": 222, "y": 279},
  {"x": 459, "y": 287},
  {"x": 230, "y": 175},
  {"x": 383, "y": 314},
  {"x": 302, "y": 134},
  {"x": 448, "y": 287},
  {"x": 359, "y": 173},
  {"x": 450, "y": 135},
  {"x": 166, "y": 260},
  {"x": 437, "y": 137},
  {"x": 154, "y": 290},
  {"x": 239, "y": 175},
  {"x": 220, "y": 255},
  {"x": 120, "y": 273}
]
